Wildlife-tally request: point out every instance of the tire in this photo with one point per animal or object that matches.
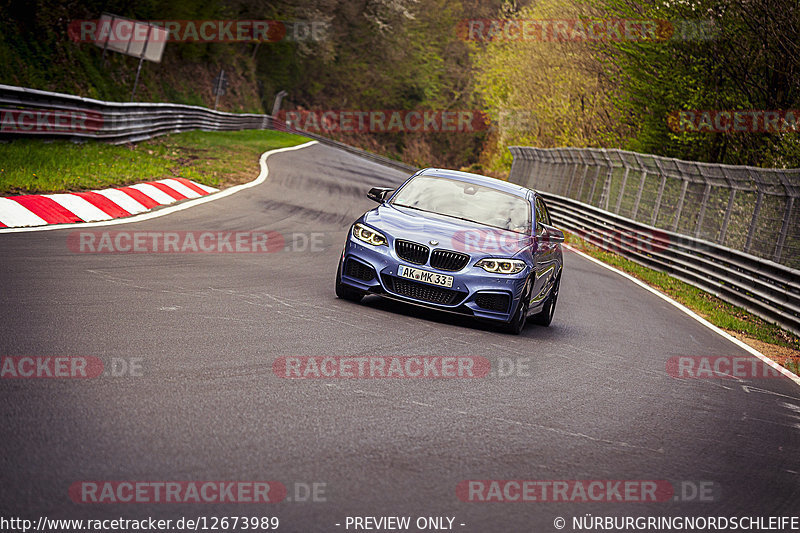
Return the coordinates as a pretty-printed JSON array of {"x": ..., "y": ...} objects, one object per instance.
[
  {"x": 545, "y": 316},
  {"x": 345, "y": 292},
  {"x": 517, "y": 322}
]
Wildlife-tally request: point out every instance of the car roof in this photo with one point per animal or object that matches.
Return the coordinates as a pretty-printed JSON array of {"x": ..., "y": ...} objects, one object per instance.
[{"x": 478, "y": 179}]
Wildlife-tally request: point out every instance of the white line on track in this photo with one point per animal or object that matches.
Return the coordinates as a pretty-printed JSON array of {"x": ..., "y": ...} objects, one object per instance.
[
  {"x": 695, "y": 316},
  {"x": 172, "y": 209}
]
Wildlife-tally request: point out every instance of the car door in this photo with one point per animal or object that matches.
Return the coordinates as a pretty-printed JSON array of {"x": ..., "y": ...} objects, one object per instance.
[{"x": 545, "y": 254}]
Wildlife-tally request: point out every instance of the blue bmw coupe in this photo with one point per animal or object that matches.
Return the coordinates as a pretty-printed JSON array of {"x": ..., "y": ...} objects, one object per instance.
[{"x": 457, "y": 242}]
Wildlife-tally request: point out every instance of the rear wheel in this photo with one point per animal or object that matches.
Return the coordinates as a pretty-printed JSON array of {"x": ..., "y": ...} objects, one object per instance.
[
  {"x": 545, "y": 316},
  {"x": 517, "y": 323},
  {"x": 346, "y": 292}
]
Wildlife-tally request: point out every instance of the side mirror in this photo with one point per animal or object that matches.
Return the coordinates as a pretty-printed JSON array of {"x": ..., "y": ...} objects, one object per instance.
[
  {"x": 378, "y": 194},
  {"x": 547, "y": 233}
]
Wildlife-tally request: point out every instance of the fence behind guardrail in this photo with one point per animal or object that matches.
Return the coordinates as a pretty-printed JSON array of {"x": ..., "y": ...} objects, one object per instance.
[
  {"x": 733, "y": 231},
  {"x": 750, "y": 209}
]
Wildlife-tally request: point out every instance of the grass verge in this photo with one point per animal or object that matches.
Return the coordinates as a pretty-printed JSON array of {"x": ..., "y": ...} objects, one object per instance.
[
  {"x": 218, "y": 159},
  {"x": 774, "y": 342}
]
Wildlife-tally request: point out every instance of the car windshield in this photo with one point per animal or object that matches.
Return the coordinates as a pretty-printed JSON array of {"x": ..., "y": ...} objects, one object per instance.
[{"x": 466, "y": 201}]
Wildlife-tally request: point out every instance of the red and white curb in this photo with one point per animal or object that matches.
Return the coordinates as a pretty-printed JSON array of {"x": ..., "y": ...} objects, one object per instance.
[
  {"x": 95, "y": 206},
  {"x": 168, "y": 209}
]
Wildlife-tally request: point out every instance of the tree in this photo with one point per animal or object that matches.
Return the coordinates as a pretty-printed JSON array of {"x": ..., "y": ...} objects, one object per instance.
[{"x": 724, "y": 55}]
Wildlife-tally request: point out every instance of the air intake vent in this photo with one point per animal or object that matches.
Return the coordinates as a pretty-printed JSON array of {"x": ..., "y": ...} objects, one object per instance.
[
  {"x": 423, "y": 291},
  {"x": 493, "y": 302},
  {"x": 358, "y": 270}
]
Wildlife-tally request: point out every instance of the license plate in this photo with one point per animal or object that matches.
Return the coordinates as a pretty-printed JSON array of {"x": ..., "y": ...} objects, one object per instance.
[{"x": 424, "y": 276}]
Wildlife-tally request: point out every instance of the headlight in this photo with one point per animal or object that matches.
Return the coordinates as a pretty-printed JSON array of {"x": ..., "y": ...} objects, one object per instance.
[
  {"x": 501, "y": 266},
  {"x": 369, "y": 236}
]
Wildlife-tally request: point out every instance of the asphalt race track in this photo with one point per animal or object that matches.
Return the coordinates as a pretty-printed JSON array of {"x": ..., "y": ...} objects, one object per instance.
[{"x": 589, "y": 399}]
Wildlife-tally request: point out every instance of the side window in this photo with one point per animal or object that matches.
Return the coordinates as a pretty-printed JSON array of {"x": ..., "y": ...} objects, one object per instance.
[
  {"x": 545, "y": 213},
  {"x": 540, "y": 213}
]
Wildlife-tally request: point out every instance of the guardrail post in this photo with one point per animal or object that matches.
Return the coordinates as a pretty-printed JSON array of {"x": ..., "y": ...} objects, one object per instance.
[
  {"x": 519, "y": 165},
  {"x": 552, "y": 164},
  {"x": 528, "y": 167},
  {"x": 596, "y": 176},
  {"x": 756, "y": 211},
  {"x": 606, "y": 192},
  {"x": 566, "y": 159},
  {"x": 752, "y": 229},
  {"x": 533, "y": 167},
  {"x": 594, "y": 183},
  {"x": 784, "y": 229},
  {"x": 568, "y": 184},
  {"x": 791, "y": 191},
  {"x": 544, "y": 162},
  {"x": 639, "y": 195},
  {"x": 516, "y": 164},
  {"x": 618, "y": 206},
  {"x": 679, "y": 207},
  {"x": 702, "y": 214},
  {"x": 724, "y": 229},
  {"x": 558, "y": 169},
  {"x": 657, "y": 206},
  {"x": 577, "y": 194}
]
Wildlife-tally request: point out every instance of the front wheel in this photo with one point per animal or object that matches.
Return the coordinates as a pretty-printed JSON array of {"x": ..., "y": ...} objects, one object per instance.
[
  {"x": 545, "y": 316},
  {"x": 517, "y": 323},
  {"x": 344, "y": 291}
]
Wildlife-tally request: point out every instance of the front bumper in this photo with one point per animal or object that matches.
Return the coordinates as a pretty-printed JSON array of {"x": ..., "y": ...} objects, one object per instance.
[{"x": 475, "y": 292}]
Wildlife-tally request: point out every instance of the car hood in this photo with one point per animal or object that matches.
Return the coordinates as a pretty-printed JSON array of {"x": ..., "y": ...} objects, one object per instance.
[{"x": 450, "y": 233}]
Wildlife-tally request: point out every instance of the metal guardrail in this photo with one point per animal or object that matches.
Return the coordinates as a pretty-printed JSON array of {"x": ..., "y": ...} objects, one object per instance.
[
  {"x": 765, "y": 288},
  {"x": 750, "y": 209},
  {"x": 30, "y": 112},
  {"x": 35, "y": 113}
]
